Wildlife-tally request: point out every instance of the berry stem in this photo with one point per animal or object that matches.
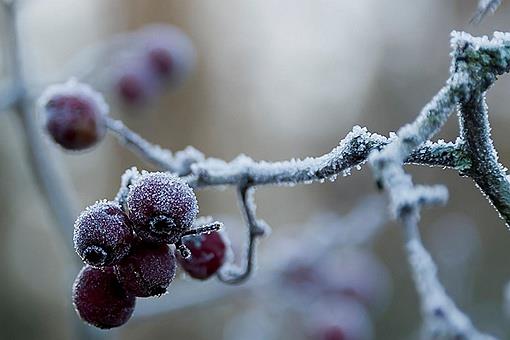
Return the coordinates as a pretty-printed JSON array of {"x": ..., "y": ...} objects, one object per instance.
[
  {"x": 213, "y": 226},
  {"x": 230, "y": 273}
]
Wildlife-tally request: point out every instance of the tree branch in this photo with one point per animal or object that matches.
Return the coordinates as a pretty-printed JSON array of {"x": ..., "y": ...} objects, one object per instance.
[{"x": 486, "y": 171}]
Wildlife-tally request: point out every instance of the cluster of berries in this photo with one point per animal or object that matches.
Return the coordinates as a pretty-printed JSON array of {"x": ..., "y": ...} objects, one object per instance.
[
  {"x": 128, "y": 247},
  {"x": 159, "y": 56}
]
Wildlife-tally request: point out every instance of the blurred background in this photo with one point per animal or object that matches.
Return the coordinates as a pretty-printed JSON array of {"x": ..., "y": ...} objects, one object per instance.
[{"x": 274, "y": 80}]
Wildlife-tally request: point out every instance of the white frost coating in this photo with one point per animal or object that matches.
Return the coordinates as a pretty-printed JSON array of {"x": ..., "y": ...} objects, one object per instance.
[
  {"x": 126, "y": 180},
  {"x": 163, "y": 158},
  {"x": 73, "y": 88}
]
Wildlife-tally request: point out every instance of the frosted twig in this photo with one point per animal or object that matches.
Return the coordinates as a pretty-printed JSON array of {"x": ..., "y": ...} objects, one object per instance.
[
  {"x": 353, "y": 150},
  {"x": 230, "y": 273},
  {"x": 162, "y": 158},
  {"x": 486, "y": 171},
  {"x": 485, "y": 7}
]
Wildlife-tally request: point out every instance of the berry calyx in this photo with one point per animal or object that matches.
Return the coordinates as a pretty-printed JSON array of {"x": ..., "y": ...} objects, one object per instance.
[
  {"x": 102, "y": 234},
  {"x": 207, "y": 255},
  {"x": 99, "y": 298},
  {"x": 148, "y": 270},
  {"x": 162, "y": 207},
  {"x": 74, "y": 115}
]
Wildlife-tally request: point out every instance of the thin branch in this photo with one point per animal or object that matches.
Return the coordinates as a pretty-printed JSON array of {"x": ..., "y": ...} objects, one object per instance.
[
  {"x": 230, "y": 273},
  {"x": 442, "y": 318},
  {"x": 352, "y": 151},
  {"x": 154, "y": 154},
  {"x": 485, "y": 7},
  {"x": 486, "y": 171}
]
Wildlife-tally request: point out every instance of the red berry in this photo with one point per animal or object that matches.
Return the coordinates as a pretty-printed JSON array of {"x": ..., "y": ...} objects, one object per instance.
[
  {"x": 160, "y": 61},
  {"x": 74, "y": 115},
  {"x": 102, "y": 234},
  {"x": 162, "y": 207},
  {"x": 148, "y": 270},
  {"x": 99, "y": 298},
  {"x": 343, "y": 319},
  {"x": 358, "y": 274},
  {"x": 207, "y": 255},
  {"x": 170, "y": 54},
  {"x": 131, "y": 89},
  {"x": 134, "y": 82}
]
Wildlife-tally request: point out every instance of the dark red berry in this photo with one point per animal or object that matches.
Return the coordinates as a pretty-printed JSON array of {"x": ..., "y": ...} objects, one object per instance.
[
  {"x": 74, "y": 115},
  {"x": 99, "y": 298},
  {"x": 162, "y": 207},
  {"x": 169, "y": 53},
  {"x": 160, "y": 61},
  {"x": 207, "y": 255},
  {"x": 102, "y": 234},
  {"x": 148, "y": 270},
  {"x": 131, "y": 89}
]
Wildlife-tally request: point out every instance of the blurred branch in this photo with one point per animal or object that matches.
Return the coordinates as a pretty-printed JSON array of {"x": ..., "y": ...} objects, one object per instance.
[
  {"x": 485, "y": 7},
  {"x": 442, "y": 318},
  {"x": 45, "y": 171},
  {"x": 9, "y": 94},
  {"x": 43, "y": 166}
]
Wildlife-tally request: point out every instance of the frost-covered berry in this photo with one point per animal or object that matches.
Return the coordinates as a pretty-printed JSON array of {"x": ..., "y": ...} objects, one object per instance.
[
  {"x": 207, "y": 255},
  {"x": 148, "y": 270},
  {"x": 99, "y": 298},
  {"x": 161, "y": 206},
  {"x": 102, "y": 234},
  {"x": 74, "y": 115}
]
